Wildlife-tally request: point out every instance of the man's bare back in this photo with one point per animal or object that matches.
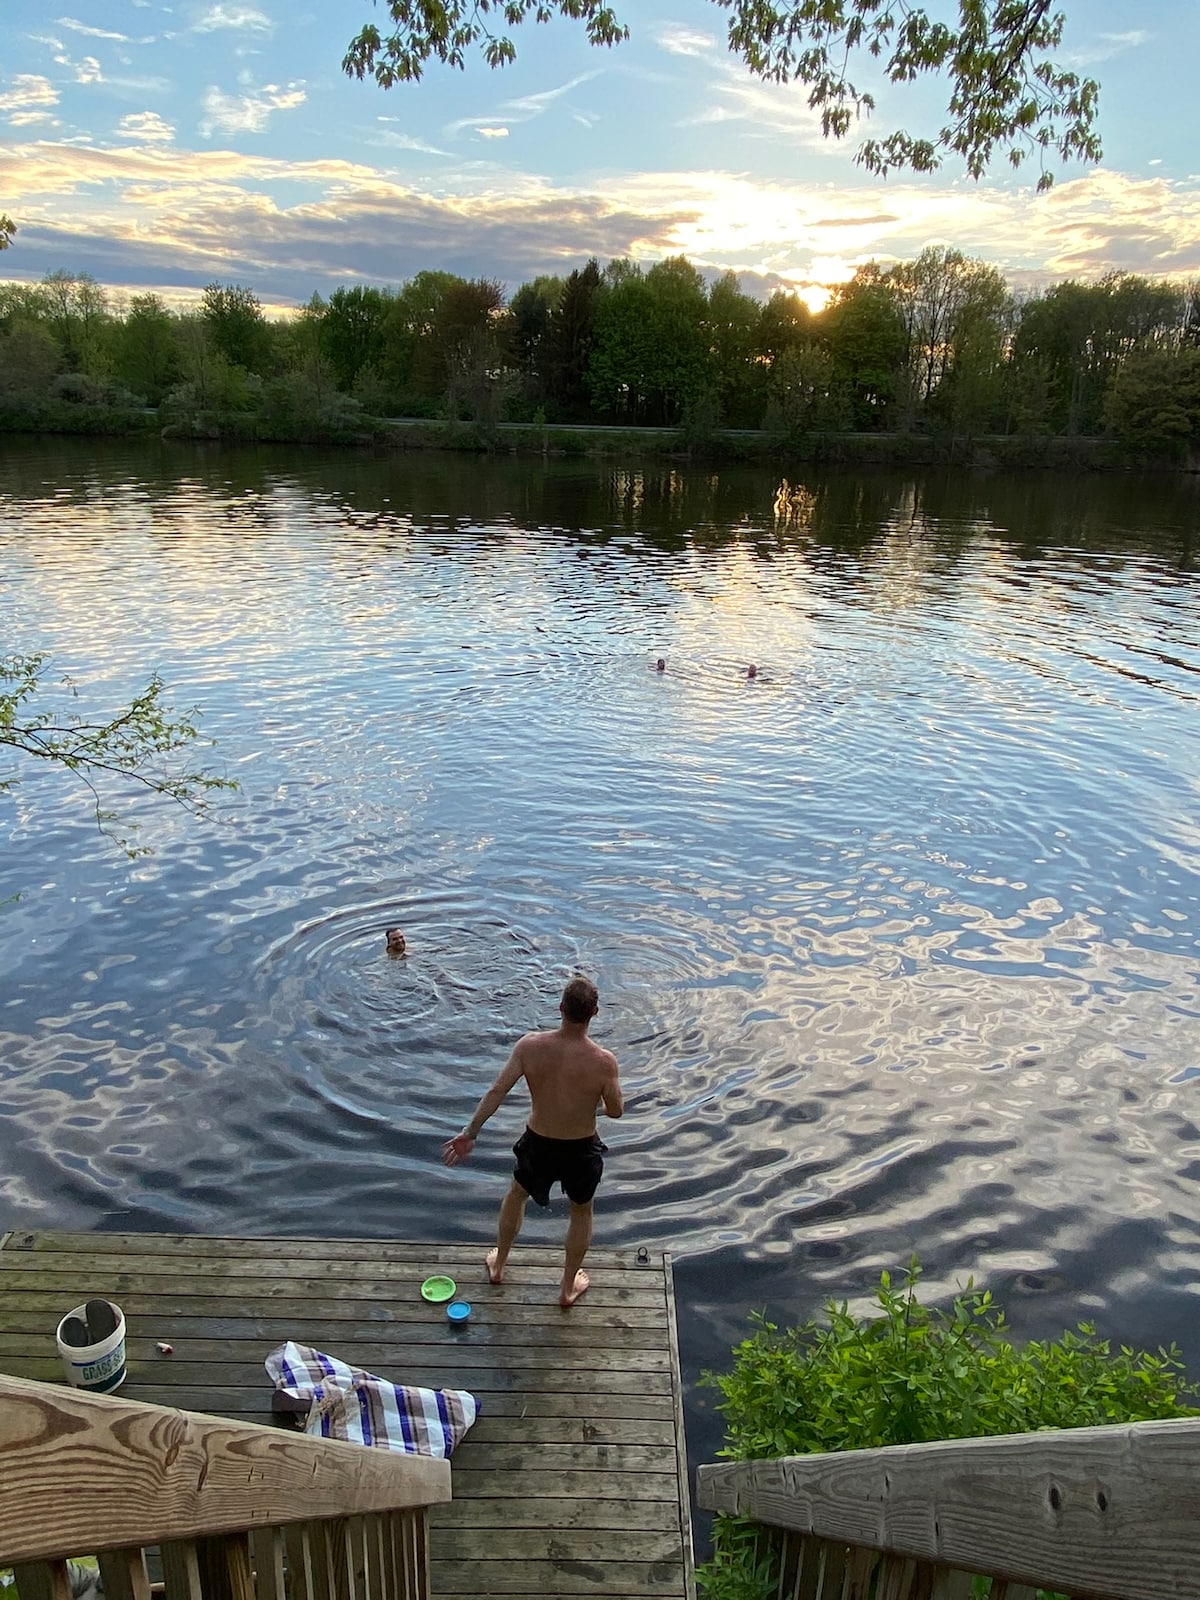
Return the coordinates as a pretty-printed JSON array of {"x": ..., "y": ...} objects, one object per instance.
[{"x": 569, "y": 1077}]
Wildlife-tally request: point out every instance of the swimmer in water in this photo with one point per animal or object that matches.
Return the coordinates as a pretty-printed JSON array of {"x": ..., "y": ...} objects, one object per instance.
[
  {"x": 752, "y": 671},
  {"x": 396, "y": 942},
  {"x": 660, "y": 665}
]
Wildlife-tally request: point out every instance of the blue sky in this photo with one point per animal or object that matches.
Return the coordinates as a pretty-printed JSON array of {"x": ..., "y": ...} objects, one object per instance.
[{"x": 162, "y": 146}]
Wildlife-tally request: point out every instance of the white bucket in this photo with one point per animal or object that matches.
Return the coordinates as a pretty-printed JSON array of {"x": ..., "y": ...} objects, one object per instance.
[{"x": 95, "y": 1367}]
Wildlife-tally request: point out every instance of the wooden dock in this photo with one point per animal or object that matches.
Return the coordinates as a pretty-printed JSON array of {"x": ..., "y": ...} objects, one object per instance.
[{"x": 573, "y": 1481}]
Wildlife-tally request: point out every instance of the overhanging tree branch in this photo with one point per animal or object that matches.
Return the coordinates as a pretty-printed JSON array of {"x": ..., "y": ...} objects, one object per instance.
[
  {"x": 142, "y": 743},
  {"x": 1007, "y": 95}
]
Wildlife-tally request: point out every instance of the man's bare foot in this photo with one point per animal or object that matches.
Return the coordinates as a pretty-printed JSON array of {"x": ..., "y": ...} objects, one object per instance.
[
  {"x": 578, "y": 1289},
  {"x": 495, "y": 1273}
]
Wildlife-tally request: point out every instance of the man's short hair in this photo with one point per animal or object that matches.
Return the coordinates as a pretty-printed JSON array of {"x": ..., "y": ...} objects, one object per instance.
[{"x": 580, "y": 1000}]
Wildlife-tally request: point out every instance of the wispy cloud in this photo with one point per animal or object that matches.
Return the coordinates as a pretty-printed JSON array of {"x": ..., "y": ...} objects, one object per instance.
[
  {"x": 523, "y": 109},
  {"x": 1107, "y": 45},
  {"x": 677, "y": 40},
  {"x": 248, "y": 113},
  {"x": 29, "y": 92},
  {"x": 492, "y": 133},
  {"x": 147, "y": 127},
  {"x": 93, "y": 33},
  {"x": 240, "y": 18},
  {"x": 405, "y": 141}
]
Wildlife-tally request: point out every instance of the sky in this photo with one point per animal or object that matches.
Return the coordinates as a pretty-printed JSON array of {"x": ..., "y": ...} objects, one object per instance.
[{"x": 161, "y": 147}]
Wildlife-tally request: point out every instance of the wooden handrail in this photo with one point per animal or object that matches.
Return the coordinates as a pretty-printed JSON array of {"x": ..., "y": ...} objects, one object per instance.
[
  {"x": 83, "y": 1473},
  {"x": 1090, "y": 1511}
]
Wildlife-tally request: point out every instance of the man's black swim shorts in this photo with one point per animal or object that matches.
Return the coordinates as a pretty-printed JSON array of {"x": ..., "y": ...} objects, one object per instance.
[{"x": 575, "y": 1163}]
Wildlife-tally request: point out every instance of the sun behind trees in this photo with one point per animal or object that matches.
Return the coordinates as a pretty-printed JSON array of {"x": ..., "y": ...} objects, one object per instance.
[{"x": 938, "y": 347}]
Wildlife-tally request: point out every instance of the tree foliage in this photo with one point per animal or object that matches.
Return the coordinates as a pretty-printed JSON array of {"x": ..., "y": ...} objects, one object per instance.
[
  {"x": 140, "y": 743},
  {"x": 1007, "y": 95}
]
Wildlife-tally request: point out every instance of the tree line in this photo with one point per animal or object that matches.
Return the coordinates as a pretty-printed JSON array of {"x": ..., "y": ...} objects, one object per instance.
[{"x": 938, "y": 344}]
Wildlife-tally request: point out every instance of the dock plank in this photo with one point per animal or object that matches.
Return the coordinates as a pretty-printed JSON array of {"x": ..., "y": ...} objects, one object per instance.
[{"x": 572, "y": 1482}]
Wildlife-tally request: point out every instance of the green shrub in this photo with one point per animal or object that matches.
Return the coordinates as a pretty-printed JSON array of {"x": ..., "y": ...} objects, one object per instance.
[{"x": 915, "y": 1372}]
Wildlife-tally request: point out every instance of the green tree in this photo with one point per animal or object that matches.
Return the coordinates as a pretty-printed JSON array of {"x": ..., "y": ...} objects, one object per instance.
[
  {"x": 530, "y": 314},
  {"x": 649, "y": 362},
  {"x": 146, "y": 353},
  {"x": 733, "y": 323},
  {"x": 1007, "y": 95},
  {"x": 235, "y": 321},
  {"x": 353, "y": 330},
  {"x": 7, "y": 229},
  {"x": 461, "y": 359},
  {"x": 141, "y": 743},
  {"x": 29, "y": 361},
  {"x": 1155, "y": 398},
  {"x": 864, "y": 334},
  {"x": 77, "y": 313},
  {"x": 408, "y": 375},
  {"x": 570, "y": 336},
  {"x": 950, "y": 304}
]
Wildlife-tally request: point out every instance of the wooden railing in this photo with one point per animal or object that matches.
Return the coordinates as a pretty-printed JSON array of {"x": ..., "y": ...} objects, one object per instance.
[
  {"x": 1111, "y": 1512},
  {"x": 234, "y": 1511}
]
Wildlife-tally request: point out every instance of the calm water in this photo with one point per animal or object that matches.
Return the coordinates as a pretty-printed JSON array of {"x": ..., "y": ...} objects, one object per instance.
[{"x": 898, "y": 944}]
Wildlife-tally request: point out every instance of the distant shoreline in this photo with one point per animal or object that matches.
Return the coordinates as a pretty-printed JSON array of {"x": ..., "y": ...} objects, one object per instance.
[{"x": 1005, "y": 453}]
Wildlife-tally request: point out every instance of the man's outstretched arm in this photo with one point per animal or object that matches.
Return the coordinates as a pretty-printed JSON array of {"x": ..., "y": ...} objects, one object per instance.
[{"x": 459, "y": 1148}]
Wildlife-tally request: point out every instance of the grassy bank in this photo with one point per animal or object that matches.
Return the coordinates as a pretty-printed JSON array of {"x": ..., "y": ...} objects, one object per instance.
[{"x": 1010, "y": 452}]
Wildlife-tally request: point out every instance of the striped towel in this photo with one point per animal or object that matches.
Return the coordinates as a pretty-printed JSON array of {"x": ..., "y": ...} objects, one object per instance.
[{"x": 348, "y": 1403}]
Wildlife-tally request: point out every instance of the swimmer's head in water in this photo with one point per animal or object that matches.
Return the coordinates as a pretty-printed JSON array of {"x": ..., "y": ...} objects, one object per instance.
[
  {"x": 752, "y": 671},
  {"x": 580, "y": 1000},
  {"x": 661, "y": 665},
  {"x": 396, "y": 942}
]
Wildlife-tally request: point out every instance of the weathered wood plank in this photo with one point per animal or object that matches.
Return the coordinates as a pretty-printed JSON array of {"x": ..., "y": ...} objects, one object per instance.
[
  {"x": 681, "y": 1463},
  {"x": 559, "y": 1578},
  {"x": 267, "y": 1549},
  {"x": 1104, "y": 1511},
  {"x": 149, "y": 1475},
  {"x": 42, "y": 1580},
  {"x": 227, "y": 1248},
  {"x": 553, "y": 1543},
  {"x": 440, "y": 1347},
  {"x": 162, "y": 1378},
  {"x": 284, "y": 1288},
  {"x": 254, "y": 1401},
  {"x": 482, "y": 1483},
  {"x": 124, "y": 1574},
  {"x": 587, "y": 1514},
  {"x": 99, "y": 1261},
  {"x": 36, "y": 1311}
]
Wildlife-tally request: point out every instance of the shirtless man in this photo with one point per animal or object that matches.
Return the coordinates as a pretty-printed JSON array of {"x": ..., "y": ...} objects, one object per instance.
[{"x": 569, "y": 1079}]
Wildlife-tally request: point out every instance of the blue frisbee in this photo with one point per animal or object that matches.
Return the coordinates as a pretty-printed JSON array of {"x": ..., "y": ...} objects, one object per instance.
[{"x": 458, "y": 1311}]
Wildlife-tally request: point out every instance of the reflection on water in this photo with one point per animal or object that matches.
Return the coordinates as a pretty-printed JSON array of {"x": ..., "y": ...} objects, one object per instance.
[{"x": 897, "y": 943}]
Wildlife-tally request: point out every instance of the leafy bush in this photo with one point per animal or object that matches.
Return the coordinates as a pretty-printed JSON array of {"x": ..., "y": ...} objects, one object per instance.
[{"x": 915, "y": 1372}]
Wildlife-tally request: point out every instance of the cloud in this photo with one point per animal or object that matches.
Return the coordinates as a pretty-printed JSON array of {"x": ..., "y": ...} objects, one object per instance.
[
  {"x": 677, "y": 40},
  {"x": 248, "y": 113},
  {"x": 237, "y": 17},
  {"x": 86, "y": 69},
  {"x": 147, "y": 127},
  {"x": 93, "y": 33},
  {"x": 492, "y": 133},
  {"x": 29, "y": 92},
  {"x": 1107, "y": 45},
  {"x": 154, "y": 214},
  {"x": 404, "y": 141},
  {"x": 523, "y": 109}
]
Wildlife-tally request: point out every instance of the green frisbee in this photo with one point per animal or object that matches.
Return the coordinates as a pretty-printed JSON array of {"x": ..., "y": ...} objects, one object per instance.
[{"x": 439, "y": 1288}]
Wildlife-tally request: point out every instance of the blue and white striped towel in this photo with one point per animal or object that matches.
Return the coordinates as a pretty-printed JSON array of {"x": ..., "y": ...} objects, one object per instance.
[{"x": 348, "y": 1403}]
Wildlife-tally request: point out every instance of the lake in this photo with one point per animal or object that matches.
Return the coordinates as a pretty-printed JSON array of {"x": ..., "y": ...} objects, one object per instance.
[{"x": 898, "y": 942}]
